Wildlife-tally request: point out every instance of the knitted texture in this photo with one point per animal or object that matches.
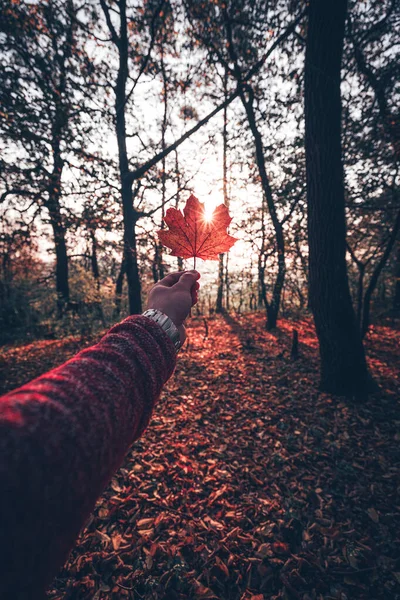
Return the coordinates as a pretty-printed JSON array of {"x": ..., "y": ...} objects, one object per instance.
[{"x": 62, "y": 436}]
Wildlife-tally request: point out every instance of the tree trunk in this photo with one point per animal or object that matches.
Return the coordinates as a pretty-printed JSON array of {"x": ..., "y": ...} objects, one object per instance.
[
  {"x": 375, "y": 275},
  {"x": 253, "y": 302},
  {"x": 248, "y": 104},
  {"x": 178, "y": 197},
  {"x": 220, "y": 291},
  {"x": 154, "y": 264},
  {"x": 62, "y": 283},
  {"x": 94, "y": 260},
  {"x": 131, "y": 263},
  {"x": 118, "y": 290},
  {"x": 260, "y": 297},
  {"x": 304, "y": 268},
  {"x": 221, "y": 278},
  {"x": 272, "y": 317},
  {"x": 56, "y": 221},
  {"x": 97, "y": 306},
  {"x": 300, "y": 294},
  {"x": 396, "y": 297},
  {"x": 130, "y": 249},
  {"x": 343, "y": 365},
  {"x": 59, "y": 123},
  {"x": 294, "y": 352},
  {"x": 227, "y": 285},
  {"x": 160, "y": 249},
  {"x": 274, "y": 304},
  {"x": 360, "y": 292}
]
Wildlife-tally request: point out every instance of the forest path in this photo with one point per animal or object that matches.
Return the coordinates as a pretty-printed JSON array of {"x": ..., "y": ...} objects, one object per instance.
[{"x": 248, "y": 483}]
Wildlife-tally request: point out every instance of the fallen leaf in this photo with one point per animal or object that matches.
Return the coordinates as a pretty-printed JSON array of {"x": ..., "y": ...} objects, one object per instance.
[
  {"x": 280, "y": 548},
  {"x": 144, "y": 523},
  {"x": 116, "y": 541},
  {"x": 373, "y": 515},
  {"x": 202, "y": 591}
]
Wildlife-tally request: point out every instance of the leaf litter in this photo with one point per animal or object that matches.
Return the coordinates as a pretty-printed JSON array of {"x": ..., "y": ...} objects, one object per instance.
[{"x": 249, "y": 483}]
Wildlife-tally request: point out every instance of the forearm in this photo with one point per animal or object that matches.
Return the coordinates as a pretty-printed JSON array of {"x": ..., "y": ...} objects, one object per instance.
[{"x": 61, "y": 438}]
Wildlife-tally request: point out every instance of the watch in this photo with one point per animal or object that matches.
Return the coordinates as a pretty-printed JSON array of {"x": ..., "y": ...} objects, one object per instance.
[{"x": 166, "y": 324}]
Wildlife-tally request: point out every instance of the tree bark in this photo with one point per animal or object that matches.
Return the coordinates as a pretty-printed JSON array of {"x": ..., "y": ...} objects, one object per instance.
[
  {"x": 179, "y": 260},
  {"x": 219, "y": 308},
  {"x": 53, "y": 206},
  {"x": 97, "y": 306},
  {"x": 227, "y": 285},
  {"x": 375, "y": 276},
  {"x": 304, "y": 268},
  {"x": 272, "y": 307},
  {"x": 131, "y": 261},
  {"x": 118, "y": 290},
  {"x": 221, "y": 275},
  {"x": 160, "y": 271},
  {"x": 343, "y": 364},
  {"x": 130, "y": 249},
  {"x": 361, "y": 266},
  {"x": 93, "y": 259},
  {"x": 62, "y": 283},
  {"x": 396, "y": 297},
  {"x": 294, "y": 352},
  {"x": 154, "y": 264},
  {"x": 360, "y": 294}
]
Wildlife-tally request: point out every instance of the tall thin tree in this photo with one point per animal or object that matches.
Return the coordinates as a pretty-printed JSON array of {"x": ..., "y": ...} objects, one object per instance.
[{"x": 222, "y": 273}]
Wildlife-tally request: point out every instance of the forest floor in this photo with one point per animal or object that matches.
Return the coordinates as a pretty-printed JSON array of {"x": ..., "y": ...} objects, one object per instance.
[{"x": 248, "y": 483}]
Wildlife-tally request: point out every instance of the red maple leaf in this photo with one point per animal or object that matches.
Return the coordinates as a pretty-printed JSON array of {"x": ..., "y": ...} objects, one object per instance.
[{"x": 192, "y": 235}]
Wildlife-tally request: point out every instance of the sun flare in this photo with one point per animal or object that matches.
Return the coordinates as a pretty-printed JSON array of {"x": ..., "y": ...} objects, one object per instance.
[
  {"x": 208, "y": 217},
  {"x": 209, "y": 207}
]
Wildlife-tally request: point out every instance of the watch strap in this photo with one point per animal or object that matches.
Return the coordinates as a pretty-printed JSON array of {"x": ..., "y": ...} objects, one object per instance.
[{"x": 166, "y": 325}]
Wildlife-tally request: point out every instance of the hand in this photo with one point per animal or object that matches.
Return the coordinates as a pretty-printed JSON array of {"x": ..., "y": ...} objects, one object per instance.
[{"x": 174, "y": 296}]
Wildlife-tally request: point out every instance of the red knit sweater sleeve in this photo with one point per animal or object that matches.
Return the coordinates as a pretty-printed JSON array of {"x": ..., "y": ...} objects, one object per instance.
[{"x": 62, "y": 436}]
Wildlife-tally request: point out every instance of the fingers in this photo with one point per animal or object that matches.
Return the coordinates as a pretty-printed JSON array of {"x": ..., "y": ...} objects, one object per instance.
[
  {"x": 188, "y": 279},
  {"x": 171, "y": 279},
  {"x": 194, "y": 289},
  {"x": 177, "y": 276}
]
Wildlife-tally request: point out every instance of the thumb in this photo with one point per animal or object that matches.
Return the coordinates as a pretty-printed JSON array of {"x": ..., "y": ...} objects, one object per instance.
[{"x": 188, "y": 279}]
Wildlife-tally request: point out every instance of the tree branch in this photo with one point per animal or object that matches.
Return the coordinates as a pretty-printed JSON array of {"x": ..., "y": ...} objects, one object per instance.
[
  {"x": 293, "y": 206},
  {"x": 106, "y": 11},
  {"x": 151, "y": 46},
  {"x": 17, "y": 192},
  {"x": 140, "y": 171},
  {"x": 388, "y": 120}
]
